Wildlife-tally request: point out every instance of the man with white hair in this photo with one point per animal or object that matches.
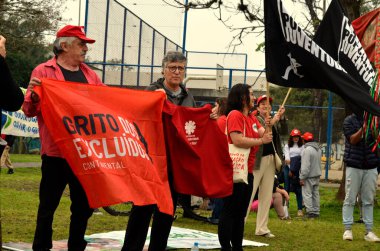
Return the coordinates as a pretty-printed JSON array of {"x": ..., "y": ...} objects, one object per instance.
[{"x": 70, "y": 48}]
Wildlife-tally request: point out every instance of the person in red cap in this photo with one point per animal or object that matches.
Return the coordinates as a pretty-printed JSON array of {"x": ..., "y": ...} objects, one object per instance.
[
  {"x": 264, "y": 170},
  {"x": 70, "y": 48},
  {"x": 292, "y": 152},
  {"x": 310, "y": 174}
]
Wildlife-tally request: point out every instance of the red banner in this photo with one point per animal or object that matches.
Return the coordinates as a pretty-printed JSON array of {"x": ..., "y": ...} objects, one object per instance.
[
  {"x": 366, "y": 29},
  {"x": 199, "y": 157},
  {"x": 113, "y": 140}
]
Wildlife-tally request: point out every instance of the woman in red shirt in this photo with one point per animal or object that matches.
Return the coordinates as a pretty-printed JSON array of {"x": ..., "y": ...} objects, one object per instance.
[{"x": 243, "y": 131}]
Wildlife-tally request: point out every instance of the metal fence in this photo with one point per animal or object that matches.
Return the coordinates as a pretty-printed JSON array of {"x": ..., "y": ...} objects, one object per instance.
[{"x": 127, "y": 50}]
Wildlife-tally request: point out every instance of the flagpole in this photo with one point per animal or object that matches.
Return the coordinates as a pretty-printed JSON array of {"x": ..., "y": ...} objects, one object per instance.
[
  {"x": 329, "y": 123},
  {"x": 286, "y": 98},
  {"x": 268, "y": 128}
]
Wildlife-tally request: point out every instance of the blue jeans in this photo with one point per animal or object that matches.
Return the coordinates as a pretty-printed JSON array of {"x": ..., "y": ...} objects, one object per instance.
[
  {"x": 218, "y": 205},
  {"x": 297, "y": 189},
  {"x": 286, "y": 178},
  {"x": 363, "y": 182}
]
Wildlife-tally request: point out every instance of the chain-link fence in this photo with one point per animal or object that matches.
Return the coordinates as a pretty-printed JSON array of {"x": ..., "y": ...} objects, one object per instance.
[{"x": 128, "y": 51}]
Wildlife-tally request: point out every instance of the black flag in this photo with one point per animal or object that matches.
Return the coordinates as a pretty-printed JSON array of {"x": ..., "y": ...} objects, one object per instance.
[
  {"x": 337, "y": 37},
  {"x": 294, "y": 60}
]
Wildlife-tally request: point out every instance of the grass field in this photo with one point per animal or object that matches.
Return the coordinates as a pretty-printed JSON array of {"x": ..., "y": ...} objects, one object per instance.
[
  {"x": 25, "y": 158},
  {"x": 19, "y": 202}
]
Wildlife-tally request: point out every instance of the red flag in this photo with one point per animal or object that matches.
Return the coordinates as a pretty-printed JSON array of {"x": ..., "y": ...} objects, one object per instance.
[
  {"x": 365, "y": 29},
  {"x": 113, "y": 140},
  {"x": 199, "y": 157}
]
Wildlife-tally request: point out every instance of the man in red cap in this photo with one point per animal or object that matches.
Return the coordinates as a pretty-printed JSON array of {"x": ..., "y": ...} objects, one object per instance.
[{"x": 70, "y": 48}]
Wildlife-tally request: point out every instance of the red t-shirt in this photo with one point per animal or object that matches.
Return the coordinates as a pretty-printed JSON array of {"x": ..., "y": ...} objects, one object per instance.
[
  {"x": 235, "y": 123},
  {"x": 222, "y": 120}
]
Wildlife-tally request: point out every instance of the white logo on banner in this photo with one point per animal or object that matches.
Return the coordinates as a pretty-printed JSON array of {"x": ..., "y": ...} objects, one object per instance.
[{"x": 190, "y": 127}]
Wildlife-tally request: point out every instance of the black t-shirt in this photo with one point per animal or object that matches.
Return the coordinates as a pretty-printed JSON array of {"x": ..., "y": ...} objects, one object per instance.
[
  {"x": 73, "y": 76},
  {"x": 268, "y": 148}
]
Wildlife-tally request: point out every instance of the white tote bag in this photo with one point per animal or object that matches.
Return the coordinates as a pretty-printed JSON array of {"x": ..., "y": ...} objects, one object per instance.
[{"x": 239, "y": 157}]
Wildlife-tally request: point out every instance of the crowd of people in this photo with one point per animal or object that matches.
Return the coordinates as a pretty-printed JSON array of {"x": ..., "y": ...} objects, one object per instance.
[{"x": 247, "y": 121}]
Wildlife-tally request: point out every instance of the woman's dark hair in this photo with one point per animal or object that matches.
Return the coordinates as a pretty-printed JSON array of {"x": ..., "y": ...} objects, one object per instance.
[
  {"x": 291, "y": 142},
  {"x": 238, "y": 94},
  {"x": 222, "y": 102}
]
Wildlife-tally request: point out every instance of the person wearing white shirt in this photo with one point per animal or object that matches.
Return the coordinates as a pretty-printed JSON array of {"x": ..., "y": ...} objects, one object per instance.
[{"x": 292, "y": 151}]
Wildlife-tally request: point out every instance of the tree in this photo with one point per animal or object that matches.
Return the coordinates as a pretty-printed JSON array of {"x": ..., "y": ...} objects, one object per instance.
[{"x": 25, "y": 24}]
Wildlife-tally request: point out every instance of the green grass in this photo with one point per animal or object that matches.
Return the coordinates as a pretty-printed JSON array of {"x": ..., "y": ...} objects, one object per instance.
[
  {"x": 19, "y": 202},
  {"x": 25, "y": 158}
]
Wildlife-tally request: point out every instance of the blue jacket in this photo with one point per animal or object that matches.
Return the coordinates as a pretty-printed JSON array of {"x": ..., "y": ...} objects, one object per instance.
[{"x": 360, "y": 155}]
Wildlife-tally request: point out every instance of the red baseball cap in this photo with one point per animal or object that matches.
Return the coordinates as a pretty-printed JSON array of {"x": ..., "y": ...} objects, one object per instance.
[
  {"x": 308, "y": 136},
  {"x": 74, "y": 31},
  {"x": 263, "y": 97},
  {"x": 295, "y": 132}
]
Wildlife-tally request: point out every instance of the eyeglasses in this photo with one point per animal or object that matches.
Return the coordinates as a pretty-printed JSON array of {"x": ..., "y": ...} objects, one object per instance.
[{"x": 173, "y": 69}]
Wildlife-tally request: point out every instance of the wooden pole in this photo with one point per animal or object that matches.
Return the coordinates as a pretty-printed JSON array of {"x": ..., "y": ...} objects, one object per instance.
[
  {"x": 267, "y": 93},
  {"x": 286, "y": 97},
  {"x": 268, "y": 128}
]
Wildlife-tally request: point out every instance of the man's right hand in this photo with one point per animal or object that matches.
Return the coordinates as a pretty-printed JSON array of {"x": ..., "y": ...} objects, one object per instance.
[{"x": 34, "y": 82}]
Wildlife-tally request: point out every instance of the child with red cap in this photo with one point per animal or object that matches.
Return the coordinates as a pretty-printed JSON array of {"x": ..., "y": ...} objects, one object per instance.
[{"x": 310, "y": 174}]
